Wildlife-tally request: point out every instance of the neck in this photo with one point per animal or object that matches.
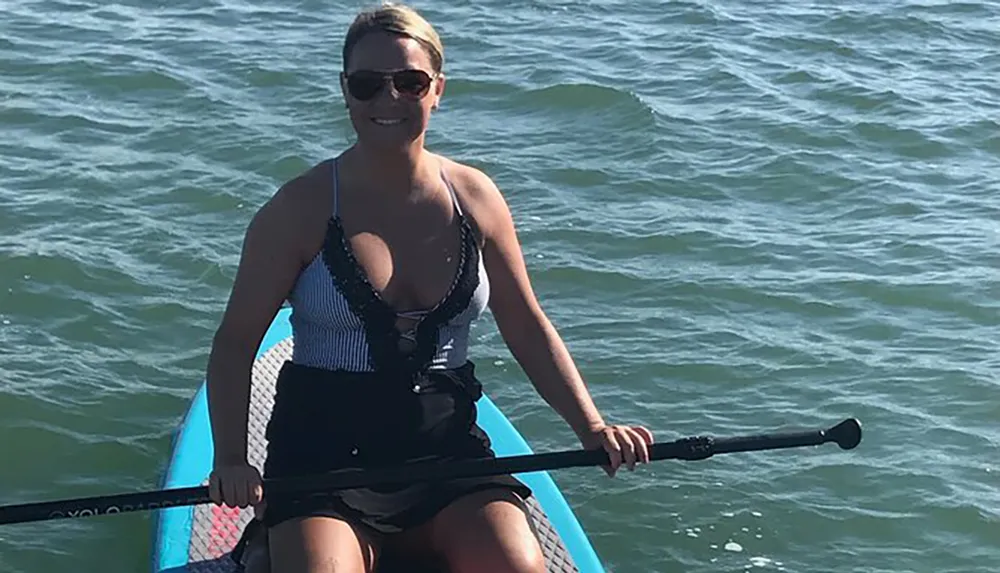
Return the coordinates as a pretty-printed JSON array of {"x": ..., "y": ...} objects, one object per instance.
[{"x": 392, "y": 168}]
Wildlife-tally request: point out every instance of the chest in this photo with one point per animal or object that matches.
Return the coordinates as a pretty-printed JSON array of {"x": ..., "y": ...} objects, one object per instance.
[{"x": 411, "y": 262}]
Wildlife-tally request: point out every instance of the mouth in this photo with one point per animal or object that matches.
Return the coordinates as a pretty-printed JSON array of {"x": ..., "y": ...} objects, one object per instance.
[{"x": 386, "y": 121}]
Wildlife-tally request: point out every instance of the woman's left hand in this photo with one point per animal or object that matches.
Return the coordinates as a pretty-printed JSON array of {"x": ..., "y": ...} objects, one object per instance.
[{"x": 625, "y": 445}]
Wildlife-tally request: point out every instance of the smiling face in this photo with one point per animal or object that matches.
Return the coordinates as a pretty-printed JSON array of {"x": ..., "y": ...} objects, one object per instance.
[{"x": 391, "y": 85}]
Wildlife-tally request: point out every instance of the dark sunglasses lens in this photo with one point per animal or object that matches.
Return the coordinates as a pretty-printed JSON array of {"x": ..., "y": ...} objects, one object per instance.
[
  {"x": 411, "y": 82},
  {"x": 364, "y": 85}
]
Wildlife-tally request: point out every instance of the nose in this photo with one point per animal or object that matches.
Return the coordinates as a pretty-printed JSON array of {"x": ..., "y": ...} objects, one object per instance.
[{"x": 388, "y": 90}]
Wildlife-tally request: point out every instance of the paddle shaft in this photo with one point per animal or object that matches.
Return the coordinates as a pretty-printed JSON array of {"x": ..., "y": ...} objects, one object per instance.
[{"x": 847, "y": 434}]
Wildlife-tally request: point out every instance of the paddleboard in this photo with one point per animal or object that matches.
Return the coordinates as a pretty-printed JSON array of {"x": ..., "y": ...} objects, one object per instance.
[{"x": 200, "y": 539}]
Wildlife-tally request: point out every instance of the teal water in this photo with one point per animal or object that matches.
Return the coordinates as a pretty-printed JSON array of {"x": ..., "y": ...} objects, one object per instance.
[{"x": 742, "y": 216}]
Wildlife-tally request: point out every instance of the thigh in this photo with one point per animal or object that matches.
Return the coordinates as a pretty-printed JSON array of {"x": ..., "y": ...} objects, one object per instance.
[
  {"x": 486, "y": 532},
  {"x": 320, "y": 545}
]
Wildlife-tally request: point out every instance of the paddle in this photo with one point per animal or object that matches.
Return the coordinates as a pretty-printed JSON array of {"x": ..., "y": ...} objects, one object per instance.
[{"x": 846, "y": 434}]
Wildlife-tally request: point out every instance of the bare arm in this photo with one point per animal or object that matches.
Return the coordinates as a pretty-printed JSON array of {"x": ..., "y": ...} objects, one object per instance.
[
  {"x": 270, "y": 261},
  {"x": 527, "y": 331},
  {"x": 534, "y": 341}
]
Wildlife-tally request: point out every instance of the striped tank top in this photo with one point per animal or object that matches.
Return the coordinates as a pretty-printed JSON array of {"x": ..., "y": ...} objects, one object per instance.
[{"x": 339, "y": 321}]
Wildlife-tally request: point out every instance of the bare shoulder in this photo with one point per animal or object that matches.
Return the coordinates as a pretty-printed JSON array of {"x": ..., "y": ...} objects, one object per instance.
[
  {"x": 276, "y": 246},
  {"x": 302, "y": 193},
  {"x": 296, "y": 212},
  {"x": 480, "y": 197}
]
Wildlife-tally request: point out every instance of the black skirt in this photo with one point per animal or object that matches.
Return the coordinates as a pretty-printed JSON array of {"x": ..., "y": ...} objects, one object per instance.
[{"x": 326, "y": 420}]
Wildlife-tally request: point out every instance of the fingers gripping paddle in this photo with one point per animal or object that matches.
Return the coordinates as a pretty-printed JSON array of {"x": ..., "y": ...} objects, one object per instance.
[{"x": 846, "y": 434}]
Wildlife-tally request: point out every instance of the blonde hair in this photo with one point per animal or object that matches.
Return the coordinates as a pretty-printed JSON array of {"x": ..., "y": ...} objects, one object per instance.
[{"x": 399, "y": 19}]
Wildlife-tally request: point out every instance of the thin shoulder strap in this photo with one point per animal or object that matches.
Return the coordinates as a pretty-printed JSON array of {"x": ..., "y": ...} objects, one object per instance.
[
  {"x": 451, "y": 191},
  {"x": 467, "y": 222},
  {"x": 336, "y": 197}
]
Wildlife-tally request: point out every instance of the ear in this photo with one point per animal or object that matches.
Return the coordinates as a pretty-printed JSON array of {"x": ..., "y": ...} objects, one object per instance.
[
  {"x": 343, "y": 87},
  {"x": 438, "y": 90}
]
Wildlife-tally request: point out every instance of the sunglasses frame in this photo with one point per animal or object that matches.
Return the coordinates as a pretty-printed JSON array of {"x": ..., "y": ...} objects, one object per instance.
[{"x": 389, "y": 79}]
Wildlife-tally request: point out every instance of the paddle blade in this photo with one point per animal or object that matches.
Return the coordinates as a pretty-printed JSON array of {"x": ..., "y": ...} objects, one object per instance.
[{"x": 847, "y": 434}]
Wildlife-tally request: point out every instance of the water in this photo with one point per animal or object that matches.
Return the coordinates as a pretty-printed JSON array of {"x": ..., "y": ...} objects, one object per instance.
[{"x": 742, "y": 216}]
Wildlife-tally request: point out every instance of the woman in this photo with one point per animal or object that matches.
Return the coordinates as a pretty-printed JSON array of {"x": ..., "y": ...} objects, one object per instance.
[{"x": 387, "y": 253}]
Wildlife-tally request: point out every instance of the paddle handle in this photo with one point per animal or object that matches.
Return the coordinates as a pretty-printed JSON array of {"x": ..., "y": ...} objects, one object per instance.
[
  {"x": 847, "y": 435},
  {"x": 103, "y": 505}
]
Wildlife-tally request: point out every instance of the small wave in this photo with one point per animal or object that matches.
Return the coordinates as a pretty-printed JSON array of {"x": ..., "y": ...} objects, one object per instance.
[
  {"x": 885, "y": 23},
  {"x": 965, "y": 10},
  {"x": 811, "y": 46},
  {"x": 461, "y": 87},
  {"x": 901, "y": 140},
  {"x": 865, "y": 100},
  {"x": 983, "y": 133},
  {"x": 585, "y": 97},
  {"x": 141, "y": 82}
]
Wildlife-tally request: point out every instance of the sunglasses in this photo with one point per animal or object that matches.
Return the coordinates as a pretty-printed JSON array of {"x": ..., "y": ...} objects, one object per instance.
[{"x": 364, "y": 85}]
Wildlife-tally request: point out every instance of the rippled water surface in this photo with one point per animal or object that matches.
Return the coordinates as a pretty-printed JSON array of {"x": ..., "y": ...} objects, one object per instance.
[{"x": 741, "y": 215}]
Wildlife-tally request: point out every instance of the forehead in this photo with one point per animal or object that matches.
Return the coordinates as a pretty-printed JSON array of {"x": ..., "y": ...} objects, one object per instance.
[{"x": 382, "y": 51}]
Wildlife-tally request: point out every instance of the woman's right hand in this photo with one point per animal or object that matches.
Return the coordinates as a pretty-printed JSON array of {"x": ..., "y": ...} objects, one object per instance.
[{"x": 236, "y": 485}]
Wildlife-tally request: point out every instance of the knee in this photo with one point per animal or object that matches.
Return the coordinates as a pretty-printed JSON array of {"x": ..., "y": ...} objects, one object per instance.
[
  {"x": 527, "y": 558},
  {"x": 488, "y": 532},
  {"x": 319, "y": 545},
  {"x": 524, "y": 557}
]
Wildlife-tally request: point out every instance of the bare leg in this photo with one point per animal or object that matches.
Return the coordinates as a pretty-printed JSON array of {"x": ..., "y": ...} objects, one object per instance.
[
  {"x": 487, "y": 532},
  {"x": 319, "y": 545}
]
